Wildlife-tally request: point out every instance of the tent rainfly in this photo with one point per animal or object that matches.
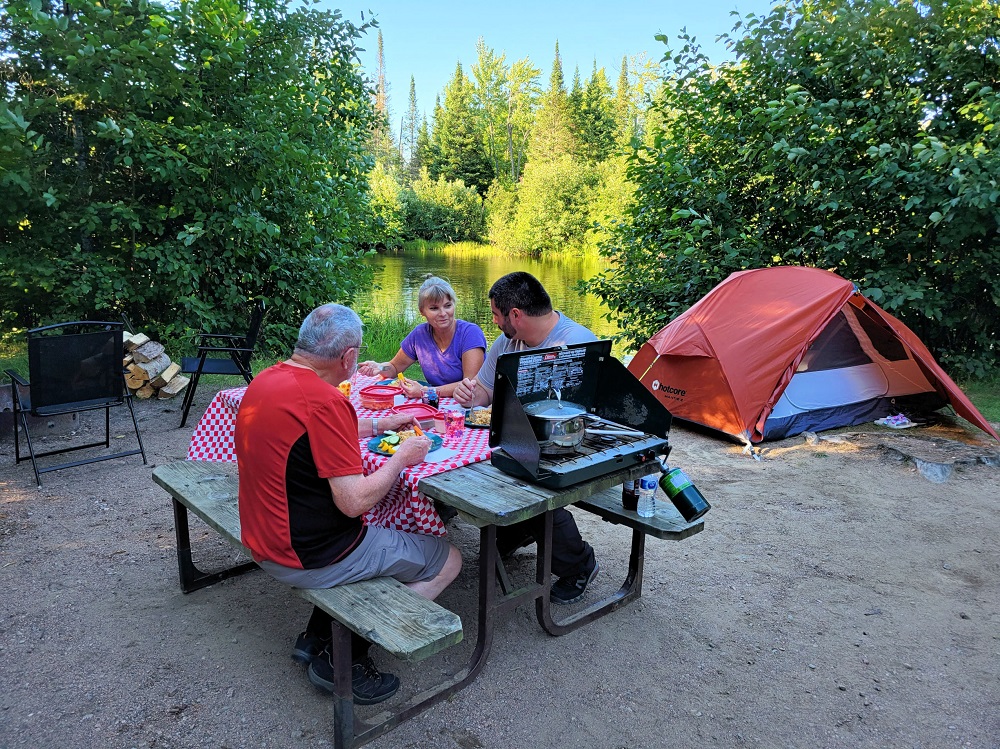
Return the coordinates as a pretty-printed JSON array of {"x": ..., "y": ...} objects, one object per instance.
[{"x": 772, "y": 352}]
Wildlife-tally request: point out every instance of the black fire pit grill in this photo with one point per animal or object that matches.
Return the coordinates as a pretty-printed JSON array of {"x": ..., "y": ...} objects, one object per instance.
[{"x": 585, "y": 374}]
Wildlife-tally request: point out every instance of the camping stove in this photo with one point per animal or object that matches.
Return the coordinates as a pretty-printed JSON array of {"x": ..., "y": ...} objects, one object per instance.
[
  {"x": 596, "y": 456},
  {"x": 587, "y": 375}
]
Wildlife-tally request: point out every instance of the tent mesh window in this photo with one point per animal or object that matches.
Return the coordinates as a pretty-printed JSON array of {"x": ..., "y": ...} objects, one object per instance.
[
  {"x": 836, "y": 347},
  {"x": 885, "y": 341}
]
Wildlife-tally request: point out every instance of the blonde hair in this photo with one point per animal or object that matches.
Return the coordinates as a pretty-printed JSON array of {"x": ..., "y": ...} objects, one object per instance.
[{"x": 434, "y": 289}]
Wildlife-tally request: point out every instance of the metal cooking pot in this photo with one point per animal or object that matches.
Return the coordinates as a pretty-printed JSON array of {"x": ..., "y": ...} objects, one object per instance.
[{"x": 558, "y": 425}]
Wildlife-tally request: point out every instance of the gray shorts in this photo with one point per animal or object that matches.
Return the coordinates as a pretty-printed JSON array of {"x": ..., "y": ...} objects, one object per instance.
[{"x": 408, "y": 557}]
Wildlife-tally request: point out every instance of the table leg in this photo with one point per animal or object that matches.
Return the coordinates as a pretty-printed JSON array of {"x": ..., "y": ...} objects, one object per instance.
[
  {"x": 630, "y": 590},
  {"x": 489, "y": 606},
  {"x": 345, "y": 727}
]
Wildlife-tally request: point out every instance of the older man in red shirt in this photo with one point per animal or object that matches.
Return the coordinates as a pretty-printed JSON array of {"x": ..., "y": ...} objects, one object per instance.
[{"x": 303, "y": 491}]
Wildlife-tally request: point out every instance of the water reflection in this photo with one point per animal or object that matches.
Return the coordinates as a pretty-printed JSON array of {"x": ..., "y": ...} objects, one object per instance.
[{"x": 471, "y": 269}]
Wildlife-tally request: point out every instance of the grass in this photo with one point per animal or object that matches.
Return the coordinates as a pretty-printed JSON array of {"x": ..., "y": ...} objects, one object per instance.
[
  {"x": 383, "y": 333},
  {"x": 13, "y": 354},
  {"x": 985, "y": 394}
]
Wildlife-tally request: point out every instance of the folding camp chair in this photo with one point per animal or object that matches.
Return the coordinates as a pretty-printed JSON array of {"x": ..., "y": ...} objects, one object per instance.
[
  {"x": 72, "y": 367},
  {"x": 237, "y": 351}
]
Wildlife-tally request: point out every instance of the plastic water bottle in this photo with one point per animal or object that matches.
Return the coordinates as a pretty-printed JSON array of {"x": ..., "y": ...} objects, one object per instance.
[{"x": 646, "y": 507}]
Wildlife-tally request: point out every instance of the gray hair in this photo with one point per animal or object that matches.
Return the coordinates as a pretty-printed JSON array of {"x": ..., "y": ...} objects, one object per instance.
[
  {"x": 433, "y": 290},
  {"x": 328, "y": 331}
]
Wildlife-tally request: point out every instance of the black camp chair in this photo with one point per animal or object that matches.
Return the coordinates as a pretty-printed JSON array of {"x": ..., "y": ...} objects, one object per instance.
[
  {"x": 72, "y": 367},
  {"x": 236, "y": 352}
]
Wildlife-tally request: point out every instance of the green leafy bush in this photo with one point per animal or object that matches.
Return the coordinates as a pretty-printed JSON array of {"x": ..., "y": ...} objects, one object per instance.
[
  {"x": 553, "y": 206},
  {"x": 443, "y": 210},
  {"x": 175, "y": 160},
  {"x": 387, "y": 225}
]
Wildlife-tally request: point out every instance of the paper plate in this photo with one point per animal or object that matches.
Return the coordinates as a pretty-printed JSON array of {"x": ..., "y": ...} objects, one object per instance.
[{"x": 436, "y": 442}]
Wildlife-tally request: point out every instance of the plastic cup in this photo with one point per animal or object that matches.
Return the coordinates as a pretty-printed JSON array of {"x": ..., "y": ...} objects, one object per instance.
[{"x": 454, "y": 421}]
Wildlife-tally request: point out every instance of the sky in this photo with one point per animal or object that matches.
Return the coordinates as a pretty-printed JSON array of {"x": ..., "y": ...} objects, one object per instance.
[{"x": 427, "y": 39}]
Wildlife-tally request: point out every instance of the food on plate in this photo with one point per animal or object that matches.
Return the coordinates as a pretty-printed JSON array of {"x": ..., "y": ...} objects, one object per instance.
[
  {"x": 392, "y": 440},
  {"x": 481, "y": 415},
  {"x": 345, "y": 388}
]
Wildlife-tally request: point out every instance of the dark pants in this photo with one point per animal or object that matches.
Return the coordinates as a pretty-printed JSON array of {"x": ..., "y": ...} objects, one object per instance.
[
  {"x": 571, "y": 555},
  {"x": 320, "y": 624}
]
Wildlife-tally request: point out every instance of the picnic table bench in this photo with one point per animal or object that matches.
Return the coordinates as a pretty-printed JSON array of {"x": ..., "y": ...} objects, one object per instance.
[{"x": 486, "y": 497}]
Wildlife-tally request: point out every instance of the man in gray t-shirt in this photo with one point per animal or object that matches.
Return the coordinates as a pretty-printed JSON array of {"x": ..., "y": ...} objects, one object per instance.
[{"x": 522, "y": 309}]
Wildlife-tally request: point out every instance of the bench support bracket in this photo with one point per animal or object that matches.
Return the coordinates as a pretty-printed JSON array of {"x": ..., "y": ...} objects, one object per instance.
[{"x": 193, "y": 578}]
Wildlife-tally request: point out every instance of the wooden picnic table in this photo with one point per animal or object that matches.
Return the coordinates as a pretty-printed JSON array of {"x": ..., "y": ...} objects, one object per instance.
[{"x": 485, "y": 497}]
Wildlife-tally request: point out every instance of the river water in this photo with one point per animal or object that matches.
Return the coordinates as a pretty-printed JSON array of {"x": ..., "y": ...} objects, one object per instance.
[{"x": 471, "y": 269}]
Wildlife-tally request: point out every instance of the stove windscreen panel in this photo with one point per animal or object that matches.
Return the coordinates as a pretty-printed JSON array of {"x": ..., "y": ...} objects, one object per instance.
[
  {"x": 625, "y": 400},
  {"x": 585, "y": 374}
]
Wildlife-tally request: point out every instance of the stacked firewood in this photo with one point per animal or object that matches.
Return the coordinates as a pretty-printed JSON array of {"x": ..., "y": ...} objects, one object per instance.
[{"x": 149, "y": 371}]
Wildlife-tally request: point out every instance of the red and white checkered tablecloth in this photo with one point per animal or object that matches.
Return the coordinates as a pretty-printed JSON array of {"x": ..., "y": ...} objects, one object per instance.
[{"x": 403, "y": 508}]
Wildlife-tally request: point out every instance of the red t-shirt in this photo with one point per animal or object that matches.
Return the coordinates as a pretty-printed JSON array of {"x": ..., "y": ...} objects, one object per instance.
[{"x": 293, "y": 432}]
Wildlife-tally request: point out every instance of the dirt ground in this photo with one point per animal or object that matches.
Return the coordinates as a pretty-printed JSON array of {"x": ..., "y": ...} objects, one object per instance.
[{"x": 838, "y": 597}]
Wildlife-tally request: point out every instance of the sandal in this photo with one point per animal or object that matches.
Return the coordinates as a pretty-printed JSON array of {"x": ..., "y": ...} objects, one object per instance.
[{"x": 899, "y": 421}]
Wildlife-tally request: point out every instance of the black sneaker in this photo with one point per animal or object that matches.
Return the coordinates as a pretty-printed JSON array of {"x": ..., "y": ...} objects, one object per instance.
[
  {"x": 571, "y": 589},
  {"x": 308, "y": 647},
  {"x": 369, "y": 685}
]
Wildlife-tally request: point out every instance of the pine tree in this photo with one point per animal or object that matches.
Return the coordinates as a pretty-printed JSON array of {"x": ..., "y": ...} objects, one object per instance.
[
  {"x": 433, "y": 158},
  {"x": 423, "y": 153},
  {"x": 408, "y": 137},
  {"x": 462, "y": 154},
  {"x": 575, "y": 101},
  {"x": 597, "y": 128},
  {"x": 624, "y": 113},
  {"x": 552, "y": 135},
  {"x": 381, "y": 135}
]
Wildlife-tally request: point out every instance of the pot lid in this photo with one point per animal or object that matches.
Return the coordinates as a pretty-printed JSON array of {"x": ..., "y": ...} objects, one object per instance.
[{"x": 552, "y": 409}]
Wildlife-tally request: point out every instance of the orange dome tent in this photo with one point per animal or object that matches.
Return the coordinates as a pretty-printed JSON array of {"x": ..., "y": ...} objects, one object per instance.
[{"x": 772, "y": 352}]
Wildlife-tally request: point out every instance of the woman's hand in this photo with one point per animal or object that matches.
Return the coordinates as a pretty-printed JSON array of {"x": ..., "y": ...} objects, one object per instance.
[
  {"x": 371, "y": 368},
  {"x": 412, "y": 388}
]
